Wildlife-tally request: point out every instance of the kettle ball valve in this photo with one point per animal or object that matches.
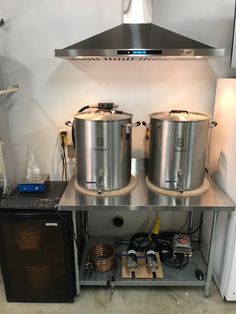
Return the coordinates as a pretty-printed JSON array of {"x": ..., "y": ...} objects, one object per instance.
[
  {"x": 138, "y": 123},
  {"x": 213, "y": 124},
  {"x": 69, "y": 123},
  {"x": 129, "y": 126}
]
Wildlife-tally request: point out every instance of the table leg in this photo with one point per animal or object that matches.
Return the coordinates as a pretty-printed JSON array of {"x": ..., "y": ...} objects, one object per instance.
[{"x": 211, "y": 254}]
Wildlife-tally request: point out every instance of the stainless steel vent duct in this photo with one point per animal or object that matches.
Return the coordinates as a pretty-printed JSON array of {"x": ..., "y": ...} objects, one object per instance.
[{"x": 137, "y": 39}]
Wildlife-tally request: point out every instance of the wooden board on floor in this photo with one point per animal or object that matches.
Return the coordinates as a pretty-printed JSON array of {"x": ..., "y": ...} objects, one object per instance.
[{"x": 142, "y": 271}]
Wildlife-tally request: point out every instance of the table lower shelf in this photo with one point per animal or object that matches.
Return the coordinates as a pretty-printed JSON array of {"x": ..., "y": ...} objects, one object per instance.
[{"x": 172, "y": 276}]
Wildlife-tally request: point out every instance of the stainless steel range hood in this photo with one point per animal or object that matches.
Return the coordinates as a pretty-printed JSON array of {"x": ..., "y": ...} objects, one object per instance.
[{"x": 137, "y": 39}]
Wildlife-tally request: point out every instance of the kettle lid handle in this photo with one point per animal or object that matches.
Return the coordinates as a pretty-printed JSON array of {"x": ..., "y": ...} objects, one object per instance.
[{"x": 178, "y": 111}]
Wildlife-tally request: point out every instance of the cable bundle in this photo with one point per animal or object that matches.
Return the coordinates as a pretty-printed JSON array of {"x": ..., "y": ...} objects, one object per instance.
[{"x": 63, "y": 136}]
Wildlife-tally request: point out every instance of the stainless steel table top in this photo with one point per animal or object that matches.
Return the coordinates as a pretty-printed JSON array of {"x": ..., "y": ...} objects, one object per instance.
[{"x": 142, "y": 198}]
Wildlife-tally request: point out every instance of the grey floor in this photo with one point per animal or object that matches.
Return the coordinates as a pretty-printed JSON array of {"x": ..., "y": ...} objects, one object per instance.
[{"x": 129, "y": 300}]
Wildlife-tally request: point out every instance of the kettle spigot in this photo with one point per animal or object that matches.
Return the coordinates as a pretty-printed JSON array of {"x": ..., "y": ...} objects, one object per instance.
[
  {"x": 100, "y": 185},
  {"x": 180, "y": 188},
  {"x": 100, "y": 189}
]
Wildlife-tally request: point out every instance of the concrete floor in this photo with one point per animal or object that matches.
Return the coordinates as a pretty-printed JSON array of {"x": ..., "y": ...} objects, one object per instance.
[{"x": 129, "y": 300}]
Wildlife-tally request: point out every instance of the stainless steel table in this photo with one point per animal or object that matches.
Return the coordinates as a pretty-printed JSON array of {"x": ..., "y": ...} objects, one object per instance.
[{"x": 142, "y": 198}]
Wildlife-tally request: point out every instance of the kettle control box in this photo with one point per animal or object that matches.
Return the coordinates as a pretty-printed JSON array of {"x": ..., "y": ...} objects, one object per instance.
[{"x": 182, "y": 245}]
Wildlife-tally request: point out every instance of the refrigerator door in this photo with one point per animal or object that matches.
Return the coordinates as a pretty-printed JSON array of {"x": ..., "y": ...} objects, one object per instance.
[
  {"x": 230, "y": 266},
  {"x": 225, "y": 256},
  {"x": 223, "y": 170},
  {"x": 37, "y": 257}
]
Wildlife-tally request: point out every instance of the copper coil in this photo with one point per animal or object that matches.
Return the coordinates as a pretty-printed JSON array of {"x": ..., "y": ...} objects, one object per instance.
[{"x": 102, "y": 257}]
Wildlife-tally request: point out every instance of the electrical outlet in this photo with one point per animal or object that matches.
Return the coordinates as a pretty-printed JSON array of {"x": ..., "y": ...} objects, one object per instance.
[{"x": 64, "y": 135}]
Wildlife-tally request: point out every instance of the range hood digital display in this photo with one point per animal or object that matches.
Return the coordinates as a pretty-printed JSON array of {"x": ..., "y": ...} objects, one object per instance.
[{"x": 139, "y": 52}]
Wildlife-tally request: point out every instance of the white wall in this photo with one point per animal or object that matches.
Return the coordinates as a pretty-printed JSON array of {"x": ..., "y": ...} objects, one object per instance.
[{"x": 52, "y": 90}]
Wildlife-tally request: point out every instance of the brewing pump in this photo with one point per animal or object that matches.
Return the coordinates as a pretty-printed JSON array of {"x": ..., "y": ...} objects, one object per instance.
[
  {"x": 152, "y": 262},
  {"x": 132, "y": 261}
]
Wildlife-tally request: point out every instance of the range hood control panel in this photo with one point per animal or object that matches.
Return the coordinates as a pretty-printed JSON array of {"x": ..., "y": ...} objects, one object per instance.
[{"x": 139, "y": 52}]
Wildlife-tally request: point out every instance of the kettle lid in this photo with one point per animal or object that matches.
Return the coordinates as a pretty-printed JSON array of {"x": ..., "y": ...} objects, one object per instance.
[
  {"x": 103, "y": 116},
  {"x": 180, "y": 116}
]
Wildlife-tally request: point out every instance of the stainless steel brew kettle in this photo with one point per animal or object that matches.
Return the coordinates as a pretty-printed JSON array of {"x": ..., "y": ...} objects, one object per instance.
[
  {"x": 103, "y": 140},
  {"x": 177, "y": 150}
]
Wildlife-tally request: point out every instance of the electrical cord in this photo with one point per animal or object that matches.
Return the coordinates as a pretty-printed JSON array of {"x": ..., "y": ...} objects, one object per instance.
[
  {"x": 186, "y": 221},
  {"x": 180, "y": 261},
  {"x": 64, "y": 164},
  {"x": 84, "y": 223},
  {"x": 142, "y": 241},
  {"x": 198, "y": 272},
  {"x": 64, "y": 175},
  {"x": 194, "y": 264},
  {"x": 167, "y": 235},
  {"x": 63, "y": 167},
  {"x": 83, "y": 108},
  {"x": 120, "y": 243},
  {"x": 194, "y": 231}
]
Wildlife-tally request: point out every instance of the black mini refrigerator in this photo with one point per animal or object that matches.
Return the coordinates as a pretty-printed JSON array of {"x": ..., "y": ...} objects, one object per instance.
[{"x": 37, "y": 259}]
